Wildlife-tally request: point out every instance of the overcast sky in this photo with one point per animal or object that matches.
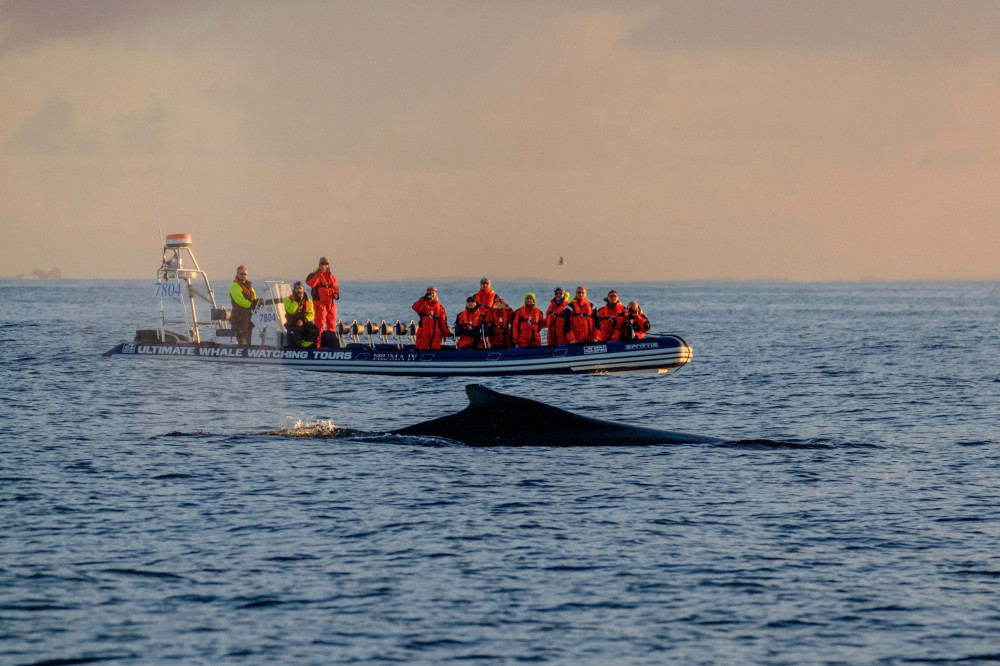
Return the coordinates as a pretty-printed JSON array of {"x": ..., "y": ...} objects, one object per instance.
[{"x": 833, "y": 140}]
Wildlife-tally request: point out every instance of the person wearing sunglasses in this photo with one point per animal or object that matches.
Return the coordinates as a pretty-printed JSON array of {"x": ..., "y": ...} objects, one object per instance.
[
  {"x": 244, "y": 300},
  {"x": 556, "y": 318}
]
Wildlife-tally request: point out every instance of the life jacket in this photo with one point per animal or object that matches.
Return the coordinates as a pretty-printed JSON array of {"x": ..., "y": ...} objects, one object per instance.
[
  {"x": 324, "y": 287},
  {"x": 610, "y": 321},
  {"x": 499, "y": 320},
  {"x": 582, "y": 325},
  {"x": 485, "y": 298},
  {"x": 558, "y": 323},
  {"x": 433, "y": 324},
  {"x": 298, "y": 312},
  {"x": 635, "y": 327},
  {"x": 527, "y": 327},
  {"x": 242, "y": 295},
  {"x": 469, "y": 329}
]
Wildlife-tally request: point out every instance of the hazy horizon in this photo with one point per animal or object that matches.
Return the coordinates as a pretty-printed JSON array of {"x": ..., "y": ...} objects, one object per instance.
[{"x": 783, "y": 140}]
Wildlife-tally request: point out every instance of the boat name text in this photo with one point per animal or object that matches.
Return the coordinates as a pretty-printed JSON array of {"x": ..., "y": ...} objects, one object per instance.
[
  {"x": 595, "y": 349},
  {"x": 642, "y": 345}
]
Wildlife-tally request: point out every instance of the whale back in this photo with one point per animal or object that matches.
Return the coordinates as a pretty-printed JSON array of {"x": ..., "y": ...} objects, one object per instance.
[{"x": 496, "y": 419}]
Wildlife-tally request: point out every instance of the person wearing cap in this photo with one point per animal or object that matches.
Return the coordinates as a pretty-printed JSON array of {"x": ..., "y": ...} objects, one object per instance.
[
  {"x": 582, "y": 322},
  {"x": 498, "y": 321},
  {"x": 556, "y": 319},
  {"x": 299, "y": 315},
  {"x": 433, "y": 321},
  {"x": 636, "y": 325},
  {"x": 324, "y": 292},
  {"x": 611, "y": 317},
  {"x": 527, "y": 326},
  {"x": 469, "y": 326},
  {"x": 485, "y": 296},
  {"x": 244, "y": 300}
]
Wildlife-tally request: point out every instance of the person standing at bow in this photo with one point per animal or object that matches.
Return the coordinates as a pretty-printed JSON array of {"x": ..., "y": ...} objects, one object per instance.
[
  {"x": 528, "y": 321},
  {"x": 433, "y": 321},
  {"x": 324, "y": 292},
  {"x": 583, "y": 327},
  {"x": 556, "y": 320},
  {"x": 611, "y": 318},
  {"x": 244, "y": 301}
]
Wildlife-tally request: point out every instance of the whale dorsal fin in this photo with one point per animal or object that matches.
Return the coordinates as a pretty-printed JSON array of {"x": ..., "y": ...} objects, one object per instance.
[{"x": 480, "y": 396}]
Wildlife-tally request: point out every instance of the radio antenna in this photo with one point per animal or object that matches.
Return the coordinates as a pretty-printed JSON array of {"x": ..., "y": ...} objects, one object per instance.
[{"x": 156, "y": 210}]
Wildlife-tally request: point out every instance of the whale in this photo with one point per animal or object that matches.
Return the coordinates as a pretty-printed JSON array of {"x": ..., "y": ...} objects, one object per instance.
[{"x": 496, "y": 419}]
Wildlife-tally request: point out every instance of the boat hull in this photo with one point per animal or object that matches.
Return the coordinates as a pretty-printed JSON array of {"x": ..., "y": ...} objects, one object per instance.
[{"x": 657, "y": 354}]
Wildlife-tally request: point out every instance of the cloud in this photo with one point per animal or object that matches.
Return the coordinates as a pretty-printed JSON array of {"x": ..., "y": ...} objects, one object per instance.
[
  {"x": 26, "y": 23},
  {"x": 54, "y": 130},
  {"x": 921, "y": 29}
]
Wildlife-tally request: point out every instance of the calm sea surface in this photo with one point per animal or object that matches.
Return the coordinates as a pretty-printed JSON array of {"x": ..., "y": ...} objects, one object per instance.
[{"x": 159, "y": 511}]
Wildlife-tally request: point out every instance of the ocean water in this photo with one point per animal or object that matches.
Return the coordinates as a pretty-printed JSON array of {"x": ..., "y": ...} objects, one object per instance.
[{"x": 159, "y": 511}]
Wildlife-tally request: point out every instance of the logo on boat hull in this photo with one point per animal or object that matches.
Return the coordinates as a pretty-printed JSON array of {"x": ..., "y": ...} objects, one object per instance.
[
  {"x": 642, "y": 345},
  {"x": 128, "y": 348},
  {"x": 595, "y": 349}
]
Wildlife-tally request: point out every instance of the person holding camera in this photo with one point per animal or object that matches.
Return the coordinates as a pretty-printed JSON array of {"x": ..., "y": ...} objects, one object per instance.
[
  {"x": 433, "y": 321},
  {"x": 528, "y": 322},
  {"x": 244, "y": 301},
  {"x": 325, "y": 291},
  {"x": 636, "y": 325},
  {"x": 299, "y": 315},
  {"x": 469, "y": 326}
]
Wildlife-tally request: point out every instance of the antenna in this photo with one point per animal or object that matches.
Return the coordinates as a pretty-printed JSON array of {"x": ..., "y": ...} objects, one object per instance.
[{"x": 156, "y": 209}]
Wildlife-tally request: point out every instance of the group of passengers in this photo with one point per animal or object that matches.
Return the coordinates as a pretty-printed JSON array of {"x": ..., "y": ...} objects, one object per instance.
[
  {"x": 308, "y": 321},
  {"x": 488, "y": 322}
]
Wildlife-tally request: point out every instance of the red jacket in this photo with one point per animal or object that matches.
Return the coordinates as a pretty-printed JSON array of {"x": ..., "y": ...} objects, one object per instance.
[
  {"x": 433, "y": 323},
  {"x": 610, "y": 321},
  {"x": 583, "y": 328},
  {"x": 499, "y": 320},
  {"x": 527, "y": 327},
  {"x": 469, "y": 329},
  {"x": 557, "y": 323},
  {"x": 324, "y": 287},
  {"x": 485, "y": 298},
  {"x": 635, "y": 327}
]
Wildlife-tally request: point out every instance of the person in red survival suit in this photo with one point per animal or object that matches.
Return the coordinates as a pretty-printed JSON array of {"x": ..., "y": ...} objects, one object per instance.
[
  {"x": 528, "y": 321},
  {"x": 324, "y": 292},
  {"x": 433, "y": 321},
  {"x": 498, "y": 319},
  {"x": 611, "y": 317},
  {"x": 636, "y": 325},
  {"x": 469, "y": 325},
  {"x": 583, "y": 324},
  {"x": 485, "y": 296},
  {"x": 555, "y": 319}
]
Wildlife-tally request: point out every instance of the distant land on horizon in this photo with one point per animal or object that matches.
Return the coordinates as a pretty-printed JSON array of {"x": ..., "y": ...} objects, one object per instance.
[{"x": 40, "y": 274}]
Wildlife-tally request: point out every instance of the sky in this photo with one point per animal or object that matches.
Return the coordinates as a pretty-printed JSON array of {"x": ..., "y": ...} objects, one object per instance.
[{"x": 664, "y": 140}]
